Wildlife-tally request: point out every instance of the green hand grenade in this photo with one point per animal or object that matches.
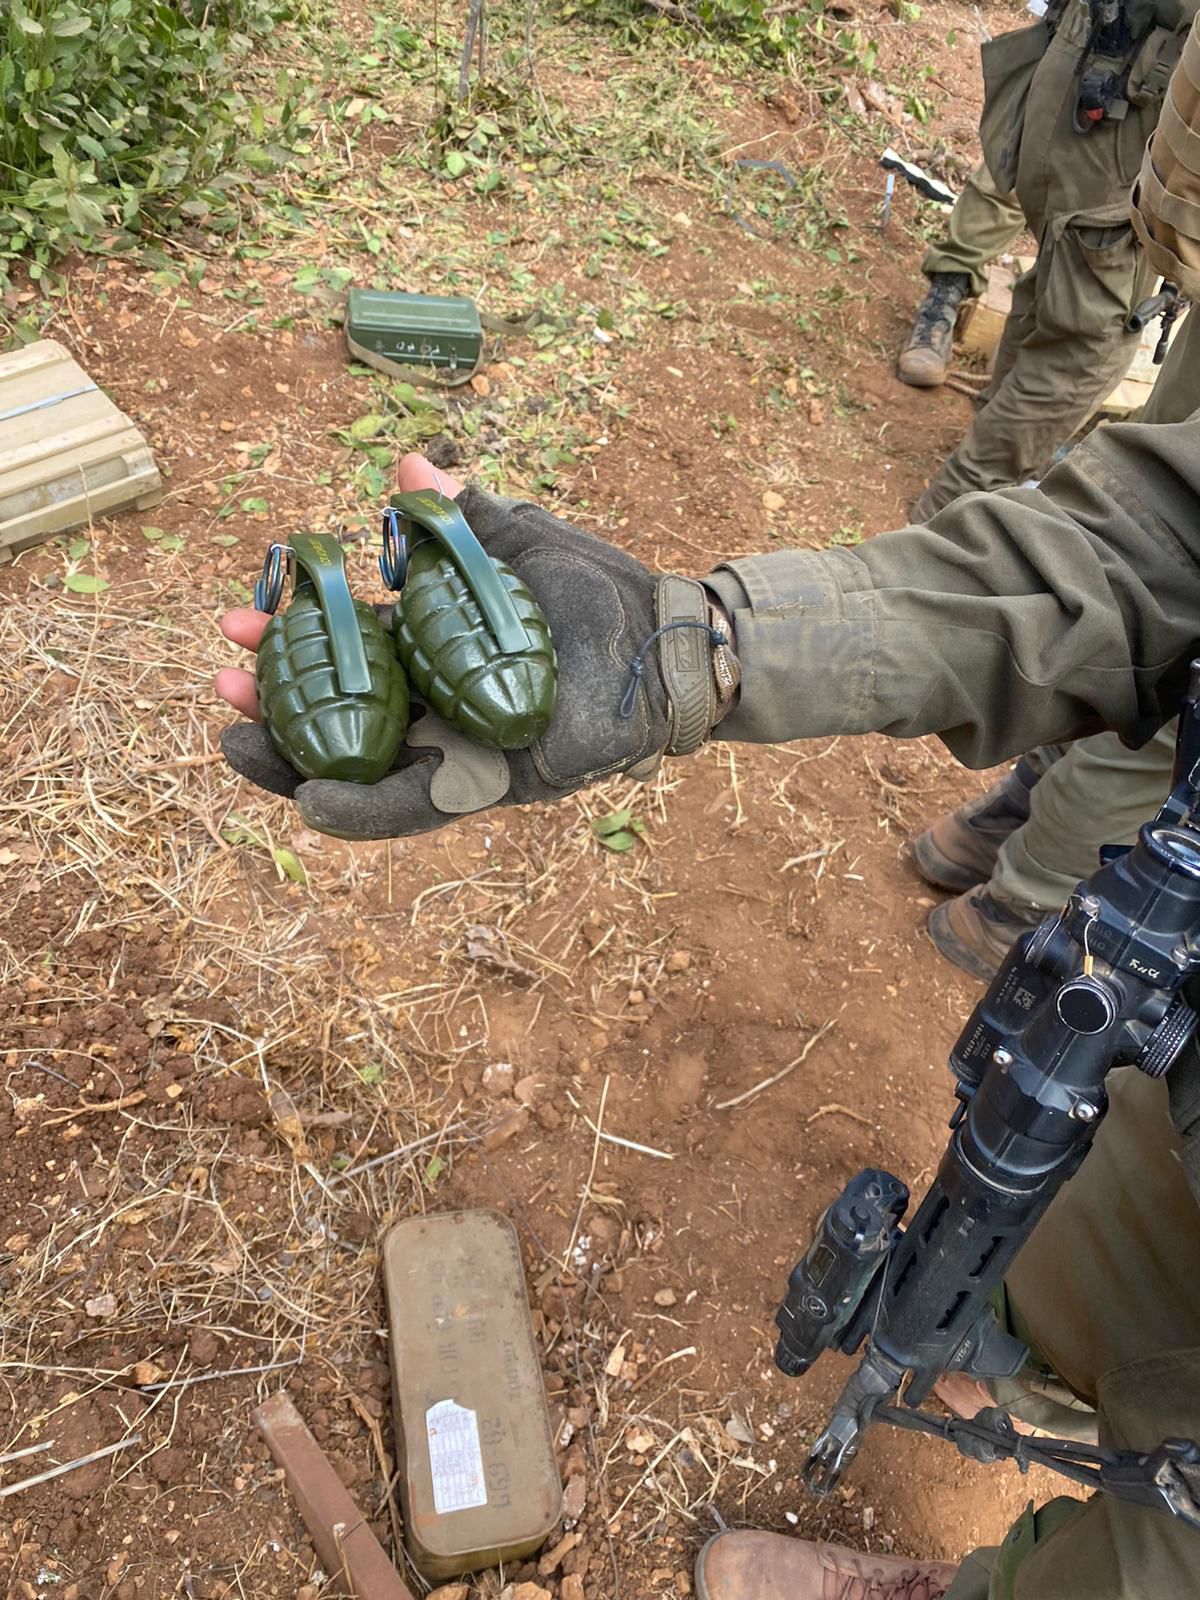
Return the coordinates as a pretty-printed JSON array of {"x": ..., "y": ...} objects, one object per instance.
[
  {"x": 470, "y": 634},
  {"x": 332, "y": 693}
]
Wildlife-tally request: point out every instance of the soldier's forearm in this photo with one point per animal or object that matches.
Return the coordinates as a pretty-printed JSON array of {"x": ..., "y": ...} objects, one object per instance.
[{"x": 1012, "y": 620}]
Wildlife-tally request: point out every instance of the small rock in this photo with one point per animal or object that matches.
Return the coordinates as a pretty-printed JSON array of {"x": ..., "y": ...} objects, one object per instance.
[
  {"x": 481, "y": 384},
  {"x": 679, "y": 961},
  {"x": 104, "y": 1305},
  {"x": 551, "y": 1561},
  {"x": 683, "y": 1583},
  {"x": 525, "y": 1092},
  {"x": 450, "y": 1591},
  {"x": 147, "y": 1372},
  {"x": 526, "y": 1591},
  {"x": 739, "y": 1429},
  {"x": 226, "y": 426},
  {"x": 571, "y": 1588},
  {"x": 636, "y": 997},
  {"x": 665, "y": 1297},
  {"x": 638, "y": 1441},
  {"x": 574, "y": 1498},
  {"x": 501, "y": 1132},
  {"x": 306, "y": 1592},
  {"x": 498, "y": 1077},
  {"x": 772, "y": 501},
  {"x": 816, "y": 413}
]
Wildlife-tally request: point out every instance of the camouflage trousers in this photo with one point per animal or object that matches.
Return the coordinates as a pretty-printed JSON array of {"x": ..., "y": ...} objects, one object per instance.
[{"x": 982, "y": 225}]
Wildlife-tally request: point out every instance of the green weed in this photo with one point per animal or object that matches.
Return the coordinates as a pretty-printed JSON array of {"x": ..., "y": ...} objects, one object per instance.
[{"x": 113, "y": 112}]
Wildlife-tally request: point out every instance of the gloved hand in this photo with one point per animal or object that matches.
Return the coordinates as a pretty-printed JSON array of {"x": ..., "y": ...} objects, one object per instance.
[{"x": 624, "y": 697}]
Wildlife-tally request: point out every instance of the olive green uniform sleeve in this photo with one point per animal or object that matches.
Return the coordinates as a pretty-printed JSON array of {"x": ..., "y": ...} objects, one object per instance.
[{"x": 1011, "y": 620}]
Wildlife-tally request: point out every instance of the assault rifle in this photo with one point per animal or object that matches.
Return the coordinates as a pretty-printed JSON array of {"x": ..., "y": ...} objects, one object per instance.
[{"x": 1098, "y": 986}]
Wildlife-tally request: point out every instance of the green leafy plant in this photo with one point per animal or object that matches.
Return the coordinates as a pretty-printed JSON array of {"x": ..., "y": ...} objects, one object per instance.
[
  {"x": 114, "y": 113},
  {"x": 618, "y": 831}
]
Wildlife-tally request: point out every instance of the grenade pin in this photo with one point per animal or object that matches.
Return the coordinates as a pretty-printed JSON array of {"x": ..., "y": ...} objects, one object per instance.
[
  {"x": 268, "y": 591},
  {"x": 393, "y": 560}
]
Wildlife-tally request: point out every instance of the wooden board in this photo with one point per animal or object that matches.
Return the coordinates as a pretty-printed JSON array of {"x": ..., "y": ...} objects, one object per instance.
[
  {"x": 67, "y": 454},
  {"x": 982, "y": 320}
]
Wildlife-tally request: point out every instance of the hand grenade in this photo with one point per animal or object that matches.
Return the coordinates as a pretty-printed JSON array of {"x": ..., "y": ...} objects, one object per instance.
[
  {"x": 472, "y": 638},
  {"x": 332, "y": 693}
]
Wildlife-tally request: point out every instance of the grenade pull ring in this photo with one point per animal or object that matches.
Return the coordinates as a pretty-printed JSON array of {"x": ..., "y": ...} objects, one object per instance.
[
  {"x": 317, "y": 563},
  {"x": 268, "y": 591},
  {"x": 393, "y": 559},
  {"x": 438, "y": 515}
]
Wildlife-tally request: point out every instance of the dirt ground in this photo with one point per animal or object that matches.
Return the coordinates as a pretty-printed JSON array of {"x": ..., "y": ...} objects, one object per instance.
[{"x": 201, "y": 1057}]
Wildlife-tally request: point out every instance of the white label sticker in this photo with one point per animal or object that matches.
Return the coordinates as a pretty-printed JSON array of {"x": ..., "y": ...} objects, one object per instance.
[{"x": 455, "y": 1459}]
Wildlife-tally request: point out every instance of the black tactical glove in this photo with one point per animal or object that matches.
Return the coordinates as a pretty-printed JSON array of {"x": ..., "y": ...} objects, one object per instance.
[{"x": 627, "y": 693}]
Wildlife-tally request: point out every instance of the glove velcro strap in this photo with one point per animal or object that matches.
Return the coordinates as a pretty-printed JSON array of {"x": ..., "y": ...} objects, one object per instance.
[{"x": 685, "y": 661}]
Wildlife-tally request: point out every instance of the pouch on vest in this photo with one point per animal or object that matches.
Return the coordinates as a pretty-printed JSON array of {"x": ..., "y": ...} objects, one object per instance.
[
  {"x": 1152, "y": 66},
  {"x": 1009, "y": 64}
]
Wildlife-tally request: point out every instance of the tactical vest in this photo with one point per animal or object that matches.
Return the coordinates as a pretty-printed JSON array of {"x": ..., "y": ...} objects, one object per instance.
[{"x": 1166, "y": 200}]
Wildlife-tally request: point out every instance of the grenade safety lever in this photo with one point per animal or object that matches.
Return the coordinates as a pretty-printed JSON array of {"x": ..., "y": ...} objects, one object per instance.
[
  {"x": 438, "y": 515},
  {"x": 317, "y": 562}
]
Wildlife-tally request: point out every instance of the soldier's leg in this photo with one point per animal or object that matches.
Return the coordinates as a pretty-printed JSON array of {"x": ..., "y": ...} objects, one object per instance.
[
  {"x": 981, "y": 226},
  {"x": 1109, "y": 1289},
  {"x": 1099, "y": 793},
  {"x": 1085, "y": 283}
]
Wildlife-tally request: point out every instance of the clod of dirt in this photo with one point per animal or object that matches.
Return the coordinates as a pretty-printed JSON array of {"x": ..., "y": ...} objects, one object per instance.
[
  {"x": 102, "y": 1307},
  {"x": 679, "y": 960},
  {"x": 572, "y": 1587},
  {"x": 203, "y": 1349},
  {"x": 501, "y": 1132},
  {"x": 448, "y": 1591},
  {"x": 234, "y": 1099},
  {"x": 665, "y": 1297},
  {"x": 526, "y": 1090},
  {"x": 525, "y": 1591},
  {"x": 772, "y": 501}
]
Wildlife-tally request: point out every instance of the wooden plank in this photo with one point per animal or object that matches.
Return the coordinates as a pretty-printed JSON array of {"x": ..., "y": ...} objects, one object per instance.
[
  {"x": 349, "y": 1551},
  {"x": 67, "y": 453}
]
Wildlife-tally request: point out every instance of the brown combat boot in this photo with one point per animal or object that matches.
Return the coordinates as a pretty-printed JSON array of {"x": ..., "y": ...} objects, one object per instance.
[
  {"x": 976, "y": 932},
  {"x": 925, "y": 358},
  {"x": 748, "y": 1565},
  {"x": 960, "y": 849}
]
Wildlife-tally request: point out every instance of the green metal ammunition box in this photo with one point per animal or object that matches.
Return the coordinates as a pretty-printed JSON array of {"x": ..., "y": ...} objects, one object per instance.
[{"x": 416, "y": 330}]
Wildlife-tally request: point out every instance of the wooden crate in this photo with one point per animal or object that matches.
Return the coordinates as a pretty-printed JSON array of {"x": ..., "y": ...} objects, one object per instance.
[
  {"x": 982, "y": 320},
  {"x": 67, "y": 454}
]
